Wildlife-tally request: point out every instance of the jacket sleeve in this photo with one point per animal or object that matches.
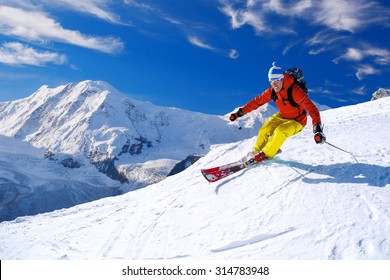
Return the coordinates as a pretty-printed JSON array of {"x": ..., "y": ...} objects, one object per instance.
[
  {"x": 258, "y": 101},
  {"x": 305, "y": 102}
]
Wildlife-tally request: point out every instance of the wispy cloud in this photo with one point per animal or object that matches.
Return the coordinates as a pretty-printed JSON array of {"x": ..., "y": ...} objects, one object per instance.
[
  {"x": 288, "y": 47},
  {"x": 296, "y": 8},
  {"x": 143, "y": 6},
  {"x": 233, "y": 54},
  {"x": 338, "y": 15},
  {"x": 325, "y": 41},
  {"x": 153, "y": 14},
  {"x": 37, "y": 26},
  {"x": 339, "y": 20},
  {"x": 15, "y": 53},
  {"x": 97, "y": 8},
  {"x": 321, "y": 90},
  {"x": 196, "y": 41},
  {"x": 199, "y": 43},
  {"x": 352, "y": 54},
  {"x": 172, "y": 20},
  {"x": 349, "y": 15},
  {"x": 380, "y": 55},
  {"x": 326, "y": 37},
  {"x": 360, "y": 90},
  {"x": 242, "y": 16},
  {"x": 364, "y": 70}
]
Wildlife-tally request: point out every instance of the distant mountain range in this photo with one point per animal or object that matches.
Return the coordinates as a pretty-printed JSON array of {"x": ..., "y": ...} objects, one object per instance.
[{"x": 129, "y": 140}]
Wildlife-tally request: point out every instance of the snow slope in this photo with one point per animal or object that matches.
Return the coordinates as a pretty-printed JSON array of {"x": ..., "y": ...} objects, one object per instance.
[{"x": 311, "y": 202}]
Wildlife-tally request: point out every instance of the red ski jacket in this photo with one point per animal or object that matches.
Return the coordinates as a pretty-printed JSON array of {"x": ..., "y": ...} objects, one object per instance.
[{"x": 285, "y": 108}]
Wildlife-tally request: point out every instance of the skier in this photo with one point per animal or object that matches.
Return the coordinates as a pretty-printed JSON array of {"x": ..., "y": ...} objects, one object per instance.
[{"x": 290, "y": 119}]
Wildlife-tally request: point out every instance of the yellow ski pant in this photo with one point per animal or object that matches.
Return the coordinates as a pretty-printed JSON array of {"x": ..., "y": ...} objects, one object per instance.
[{"x": 274, "y": 132}]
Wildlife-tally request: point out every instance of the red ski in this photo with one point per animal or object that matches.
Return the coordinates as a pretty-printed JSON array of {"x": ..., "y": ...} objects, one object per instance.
[{"x": 217, "y": 173}]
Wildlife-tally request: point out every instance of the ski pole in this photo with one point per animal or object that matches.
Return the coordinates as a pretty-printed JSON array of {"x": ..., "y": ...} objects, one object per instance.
[{"x": 342, "y": 150}]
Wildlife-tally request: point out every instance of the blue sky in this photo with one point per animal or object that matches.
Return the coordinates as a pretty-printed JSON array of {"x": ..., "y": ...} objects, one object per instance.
[{"x": 207, "y": 56}]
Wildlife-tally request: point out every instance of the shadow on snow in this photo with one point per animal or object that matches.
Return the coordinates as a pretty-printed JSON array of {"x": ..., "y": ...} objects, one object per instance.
[{"x": 352, "y": 173}]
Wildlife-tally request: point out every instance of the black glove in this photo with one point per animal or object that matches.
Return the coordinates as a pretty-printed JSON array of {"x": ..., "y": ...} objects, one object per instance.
[
  {"x": 236, "y": 115},
  {"x": 319, "y": 136}
]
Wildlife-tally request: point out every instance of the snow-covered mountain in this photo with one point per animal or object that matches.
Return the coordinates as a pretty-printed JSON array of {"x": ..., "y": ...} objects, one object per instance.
[
  {"x": 310, "y": 202},
  {"x": 138, "y": 140},
  {"x": 30, "y": 184},
  {"x": 380, "y": 93},
  {"x": 90, "y": 123}
]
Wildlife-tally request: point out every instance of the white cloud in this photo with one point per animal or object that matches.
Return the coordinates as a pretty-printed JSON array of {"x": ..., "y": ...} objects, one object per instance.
[
  {"x": 360, "y": 90},
  {"x": 233, "y": 54},
  {"x": 366, "y": 53},
  {"x": 38, "y": 27},
  {"x": 199, "y": 43},
  {"x": 97, "y": 8},
  {"x": 325, "y": 41},
  {"x": 325, "y": 37},
  {"x": 142, "y": 6},
  {"x": 364, "y": 70},
  {"x": 321, "y": 90},
  {"x": 173, "y": 21},
  {"x": 352, "y": 54},
  {"x": 338, "y": 15},
  {"x": 288, "y": 47},
  {"x": 349, "y": 15},
  {"x": 297, "y": 8},
  {"x": 15, "y": 53},
  {"x": 240, "y": 17},
  {"x": 381, "y": 56}
]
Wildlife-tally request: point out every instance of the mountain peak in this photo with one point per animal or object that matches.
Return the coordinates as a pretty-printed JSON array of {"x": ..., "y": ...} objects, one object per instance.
[
  {"x": 93, "y": 86},
  {"x": 88, "y": 88},
  {"x": 93, "y": 118},
  {"x": 71, "y": 91},
  {"x": 380, "y": 93}
]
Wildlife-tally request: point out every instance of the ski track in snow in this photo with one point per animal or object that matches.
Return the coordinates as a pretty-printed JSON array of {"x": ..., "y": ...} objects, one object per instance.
[{"x": 255, "y": 239}]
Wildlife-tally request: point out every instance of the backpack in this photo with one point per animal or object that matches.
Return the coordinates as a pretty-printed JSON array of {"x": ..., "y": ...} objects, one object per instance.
[{"x": 299, "y": 79}]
